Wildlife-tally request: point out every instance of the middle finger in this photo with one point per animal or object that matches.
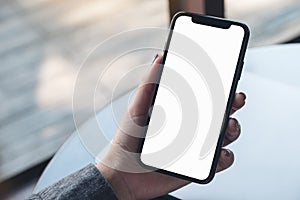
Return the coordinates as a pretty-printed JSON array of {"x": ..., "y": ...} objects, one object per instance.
[{"x": 233, "y": 131}]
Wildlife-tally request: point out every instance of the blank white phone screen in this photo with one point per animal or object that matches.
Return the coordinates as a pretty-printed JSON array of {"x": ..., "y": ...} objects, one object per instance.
[{"x": 191, "y": 99}]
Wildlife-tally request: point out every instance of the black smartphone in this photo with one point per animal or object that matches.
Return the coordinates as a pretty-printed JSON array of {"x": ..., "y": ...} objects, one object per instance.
[{"x": 201, "y": 67}]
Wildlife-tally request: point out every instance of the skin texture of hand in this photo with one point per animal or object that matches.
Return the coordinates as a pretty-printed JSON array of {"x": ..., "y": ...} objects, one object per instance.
[{"x": 147, "y": 185}]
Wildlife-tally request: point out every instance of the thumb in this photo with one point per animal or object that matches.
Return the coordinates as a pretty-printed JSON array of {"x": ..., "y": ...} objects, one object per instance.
[
  {"x": 134, "y": 121},
  {"x": 139, "y": 108}
]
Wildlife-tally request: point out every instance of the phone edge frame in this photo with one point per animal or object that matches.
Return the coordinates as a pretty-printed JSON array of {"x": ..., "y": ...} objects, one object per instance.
[{"x": 237, "y": 75}]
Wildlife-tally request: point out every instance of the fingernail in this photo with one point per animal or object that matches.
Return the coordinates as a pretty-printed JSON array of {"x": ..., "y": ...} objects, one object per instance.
[
  {"x": 237, "y": 127},
  {"x": 235, "y": 130},
  {"x": 243, "y": 94},
  {"x": 227, "y": 152},
  {"x": 155, "y": 58}
]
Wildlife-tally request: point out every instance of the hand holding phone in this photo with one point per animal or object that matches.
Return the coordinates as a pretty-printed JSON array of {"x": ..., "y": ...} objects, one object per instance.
[
  {"x": 201, "y": 67},
  {"x": 151, "y": 184}
]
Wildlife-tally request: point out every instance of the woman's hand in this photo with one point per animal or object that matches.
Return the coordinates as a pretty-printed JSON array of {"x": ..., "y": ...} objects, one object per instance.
[{"x": 147, "y": 185}]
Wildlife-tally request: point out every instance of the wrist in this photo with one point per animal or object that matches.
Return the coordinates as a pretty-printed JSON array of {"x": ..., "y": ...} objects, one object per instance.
[{"x": 116, "y": 180}]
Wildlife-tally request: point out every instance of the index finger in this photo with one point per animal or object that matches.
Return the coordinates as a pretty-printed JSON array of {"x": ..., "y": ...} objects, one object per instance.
[{"x": 238, "y": 102}]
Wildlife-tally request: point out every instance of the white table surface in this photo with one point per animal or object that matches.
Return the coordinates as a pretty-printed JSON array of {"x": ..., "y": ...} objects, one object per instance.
[{"x": 267, "y": 153}]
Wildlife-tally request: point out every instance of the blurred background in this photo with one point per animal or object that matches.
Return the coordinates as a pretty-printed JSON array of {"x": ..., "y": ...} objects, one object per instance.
[{"x": 43, "y": 43}]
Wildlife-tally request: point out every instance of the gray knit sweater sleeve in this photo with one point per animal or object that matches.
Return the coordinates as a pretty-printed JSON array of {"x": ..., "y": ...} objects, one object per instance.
[{"x": 87, "y": 183}]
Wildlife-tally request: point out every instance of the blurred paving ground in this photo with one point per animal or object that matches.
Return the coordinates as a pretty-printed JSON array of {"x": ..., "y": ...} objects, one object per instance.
[
  {"x": 270, "y": 21},
  {"x": 44, "y": 42},
  {"x": 42, "y": 46}
]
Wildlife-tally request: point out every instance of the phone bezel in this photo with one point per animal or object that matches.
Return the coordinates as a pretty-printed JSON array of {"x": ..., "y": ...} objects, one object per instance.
[{"x": 219, "y": 23}]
